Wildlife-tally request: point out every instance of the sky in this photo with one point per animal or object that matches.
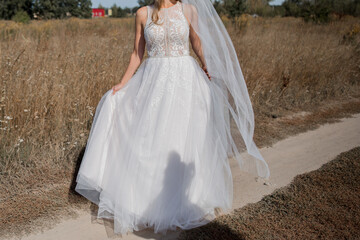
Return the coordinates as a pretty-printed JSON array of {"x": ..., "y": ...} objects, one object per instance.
[
  {"x": 133, "y": 3},
  {"x": 277, "y": 2}
]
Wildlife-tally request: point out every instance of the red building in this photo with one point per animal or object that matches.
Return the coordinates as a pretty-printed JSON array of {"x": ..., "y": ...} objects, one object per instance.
[{"x": 98, "y": 12}]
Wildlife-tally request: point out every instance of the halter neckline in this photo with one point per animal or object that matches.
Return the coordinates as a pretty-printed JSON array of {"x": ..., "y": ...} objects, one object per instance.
[{"x": 171, "y": 6}]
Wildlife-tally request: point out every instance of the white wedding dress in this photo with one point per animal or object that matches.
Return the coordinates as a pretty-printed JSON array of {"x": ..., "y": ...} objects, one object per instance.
[{"x": 156, "y": 155}]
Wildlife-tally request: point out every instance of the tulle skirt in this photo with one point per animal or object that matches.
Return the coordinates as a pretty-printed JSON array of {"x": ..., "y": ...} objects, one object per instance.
[{"x": 157, "y": 153}]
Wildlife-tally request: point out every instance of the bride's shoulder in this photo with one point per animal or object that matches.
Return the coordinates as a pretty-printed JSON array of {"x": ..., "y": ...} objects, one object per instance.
[
  {"x": 141, "y": 12},
  {"x": 188, "y": 6},
  {"x": 141, "y": 16}
]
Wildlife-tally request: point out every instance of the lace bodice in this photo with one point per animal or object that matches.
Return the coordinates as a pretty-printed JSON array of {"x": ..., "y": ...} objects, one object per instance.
[{"x": 170, "y": 37}]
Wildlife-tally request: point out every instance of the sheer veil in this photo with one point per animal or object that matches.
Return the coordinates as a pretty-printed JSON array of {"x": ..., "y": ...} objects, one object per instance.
[{"x": 226, "y": 76}]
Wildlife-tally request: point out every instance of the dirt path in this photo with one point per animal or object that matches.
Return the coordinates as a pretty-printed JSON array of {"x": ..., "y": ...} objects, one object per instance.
[{"x": 287, "y": 158}]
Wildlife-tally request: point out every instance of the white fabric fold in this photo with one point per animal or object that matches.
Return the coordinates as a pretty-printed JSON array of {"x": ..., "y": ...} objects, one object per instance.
[{"x": 224, "y": 68}]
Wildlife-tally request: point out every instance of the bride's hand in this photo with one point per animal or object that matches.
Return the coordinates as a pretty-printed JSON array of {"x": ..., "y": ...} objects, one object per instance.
[
  {"x": 116, "y": 88},
  {"x": 206, "y": 71}
]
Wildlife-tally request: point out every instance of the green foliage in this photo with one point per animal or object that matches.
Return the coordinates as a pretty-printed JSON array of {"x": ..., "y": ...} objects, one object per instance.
[
  {"x": 134, "y": 9},
  {"x": 319, "y": 10},
  {"x": 118, "y": 12},
  {"x": 219, "y": 7},
  {"x": 145, "y": 2},
  {"x": 311, "y": 10},
  {"x": 46, "y": 9},
  {"x": 127, "y": 10},
  {"x": 259, "y": 7},
  {"x": 292, "y": 8},
  {"x": 85, "y": 8},
  {"x": 344, "y": 7},
  {"x": 8, "y": 8},
  {"x": 21, "y": 16},
  {"x": 234, "y": 8},
  {"x": 278, "y": 11}
]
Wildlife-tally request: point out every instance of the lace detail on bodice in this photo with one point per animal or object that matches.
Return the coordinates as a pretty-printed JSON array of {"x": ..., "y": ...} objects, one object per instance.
[{"x": 170, "y": 37}]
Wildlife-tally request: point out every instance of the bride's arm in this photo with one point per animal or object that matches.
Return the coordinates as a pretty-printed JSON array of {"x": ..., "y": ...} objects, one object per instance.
[
  {"x": 139, "y": 48},
  {"x": 196, "y": 45},
  {"x": 195, "y": 40}
]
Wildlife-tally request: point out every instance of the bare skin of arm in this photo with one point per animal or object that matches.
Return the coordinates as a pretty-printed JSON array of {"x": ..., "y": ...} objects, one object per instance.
[
  {"x": 196, "y": 42},
  {"x": 139, "y": 49}
]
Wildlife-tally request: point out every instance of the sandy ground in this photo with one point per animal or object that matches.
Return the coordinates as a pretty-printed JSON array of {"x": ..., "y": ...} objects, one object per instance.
[{"x": 287, "y": 158}]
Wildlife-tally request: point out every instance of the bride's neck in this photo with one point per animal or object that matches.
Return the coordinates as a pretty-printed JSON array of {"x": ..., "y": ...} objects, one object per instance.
[{"x": 168, "y": 3}]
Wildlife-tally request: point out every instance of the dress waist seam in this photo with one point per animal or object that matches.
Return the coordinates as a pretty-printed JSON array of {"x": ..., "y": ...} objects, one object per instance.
[{"x": 185, "y": 55}]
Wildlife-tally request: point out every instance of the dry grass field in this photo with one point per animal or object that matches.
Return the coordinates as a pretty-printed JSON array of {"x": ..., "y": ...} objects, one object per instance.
[{"x": 53, "y": 73}]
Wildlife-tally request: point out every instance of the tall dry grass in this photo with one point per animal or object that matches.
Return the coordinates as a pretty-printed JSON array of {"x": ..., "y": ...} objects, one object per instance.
[
  {"x": 53, "y": 73},
  {"x": 292, "y": 64}
]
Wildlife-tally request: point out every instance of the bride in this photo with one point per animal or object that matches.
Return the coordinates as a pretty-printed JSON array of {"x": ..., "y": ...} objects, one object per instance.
[{"x": 158, "y": 151}]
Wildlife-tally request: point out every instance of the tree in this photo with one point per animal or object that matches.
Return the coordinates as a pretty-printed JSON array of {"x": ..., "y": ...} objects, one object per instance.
[
  {"x": 47, "y": 9},
  {"x": 317, "y": 11},
  {"x": 114, "y": 10},
  {"x": 72, "y": 7},
  {"x": 21, "y": 16},
  {"x": 8, "y": 8},
  {"x": 260, "y": 7},
  {"x": 292, "y": 8},
  {"x": 118, "y": 12},
  {"x": 145, "y": 2},
  {"x": 343, "y": 7},
  {"x": 219, "y": 7},
  {"x": 77, "y": 8},
  {"x": 234, "y": 8},
  {"x": 85, "y": 8},
  {"x": 134, "y": 9},
  {"x": 127, "y": 10}
]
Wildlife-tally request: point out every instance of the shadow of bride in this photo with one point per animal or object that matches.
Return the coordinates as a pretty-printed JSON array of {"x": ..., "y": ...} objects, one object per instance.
[{"x": 172, "y": 206}]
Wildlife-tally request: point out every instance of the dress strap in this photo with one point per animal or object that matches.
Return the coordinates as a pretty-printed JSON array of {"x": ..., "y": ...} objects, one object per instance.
[
  {"x": 148, "y": 8},
  {"x": 182, "y": 11}
]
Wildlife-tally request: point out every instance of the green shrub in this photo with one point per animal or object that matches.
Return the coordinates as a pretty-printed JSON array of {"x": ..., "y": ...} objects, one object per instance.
[
  {"x": 317, "y": 12},
  {"x": 21, "y": 16}
]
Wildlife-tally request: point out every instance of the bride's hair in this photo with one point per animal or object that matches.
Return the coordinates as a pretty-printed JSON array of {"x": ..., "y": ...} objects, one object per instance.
[{"x": 157, "y": 5}]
